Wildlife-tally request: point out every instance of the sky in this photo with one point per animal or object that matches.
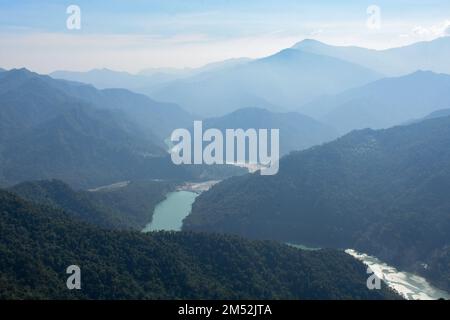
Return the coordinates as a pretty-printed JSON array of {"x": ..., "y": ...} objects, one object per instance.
[{"x": 131, "y": 35}]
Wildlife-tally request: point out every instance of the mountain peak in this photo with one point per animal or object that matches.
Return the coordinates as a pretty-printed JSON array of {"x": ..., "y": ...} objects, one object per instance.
[
  {"x": 20, "y": 70},
  {"x": 307, "y": 43},
  {"x": 18, "y": 75},
  {"x": 423, "y": 72},
  {"x": 104, "y": 70},
  {"x": 426, "y": 74},
  {"x": 21, "y": 73},
  {"x": 286, "y": 53},
  {"x": 251, "y": 110}
]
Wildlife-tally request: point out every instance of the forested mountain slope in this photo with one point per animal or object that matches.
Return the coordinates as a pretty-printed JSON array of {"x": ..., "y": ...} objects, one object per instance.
[
  {"x": 384, "y": 192},
  {"x": 128, "y": 207},
  {"x": 38, "y": 243}
]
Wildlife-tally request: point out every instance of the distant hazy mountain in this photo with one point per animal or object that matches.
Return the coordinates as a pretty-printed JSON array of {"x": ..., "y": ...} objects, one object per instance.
[
  {"x": 28, "y": 99},
  {"x": 184, "y": 72},
  {"x": 153, "y": 117},
  {"x": 297, "y": 131},
  {"x": 433, "y": 115},
  {"x": 383, "y": 103},
  {"x": 83, "y": 136},
  {"x": 38, "y": 243},
  {"x": 438, "y": 114},
  {"x": 279, "y": 82},
  {"x": 145, "y": 79},
  {"x": 82, "y": 148},
  {"x": 104, "y": 78},
  {"x": 383, "y": 192},
  {"x": 428, "y": 55}
]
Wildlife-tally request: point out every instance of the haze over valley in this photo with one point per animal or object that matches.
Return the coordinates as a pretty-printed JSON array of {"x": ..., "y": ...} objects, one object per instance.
[{"x": 88, "y": 177}]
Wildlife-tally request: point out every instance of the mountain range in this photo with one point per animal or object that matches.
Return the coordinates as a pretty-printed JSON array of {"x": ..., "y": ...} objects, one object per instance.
[
  {"x": 84, "y": 136},
  {"x": 426, "y": 55},
  {"x": 284, "y": 81},
  {"x": 382, "y": 192},
  {"x": 297, "y": 132},
  {"x": 383, "y": 103},
  {"x": 106, "y": 78},
  {"x": 281, "y": 82},
  {"x": 438, "y": 114},
  {"x": 364, "y": 138}
]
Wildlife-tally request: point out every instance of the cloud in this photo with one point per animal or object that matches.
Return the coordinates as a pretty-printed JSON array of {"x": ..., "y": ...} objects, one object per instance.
[
  {"x": 433, "y": 31},
  {"x": 447, "y": 31},
  {"x": 421, "y": 31},
  {"x": 316, "y": 32}
]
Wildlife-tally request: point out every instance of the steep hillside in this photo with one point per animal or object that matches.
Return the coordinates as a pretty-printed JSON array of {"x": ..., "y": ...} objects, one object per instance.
[
  {"x": 128, "y": 207},
  {"x": 384, "y": 192},
  {"x": 38, "y": 243}
]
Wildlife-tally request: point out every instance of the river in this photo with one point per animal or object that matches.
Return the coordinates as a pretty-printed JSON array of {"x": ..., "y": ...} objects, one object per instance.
[
  {"x": 170, "y": 212},
  {"x": 169, "y": 215},
  {"x": 410, "y": 286}
]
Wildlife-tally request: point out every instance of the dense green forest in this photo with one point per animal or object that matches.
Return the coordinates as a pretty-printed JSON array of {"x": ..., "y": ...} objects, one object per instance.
[
  {"x": 38, "y": 243},
  {"x": 127, "y": 207},
  {"x": 383, "y": 192}
]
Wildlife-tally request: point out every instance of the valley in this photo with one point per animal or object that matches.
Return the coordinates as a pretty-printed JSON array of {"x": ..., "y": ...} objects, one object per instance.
[
  {"x": 170, "y": 213},
  {"x": 208, "y": 150},
  {"x": 384, "y": 192},
  {"x": 160, "y": 265}
]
